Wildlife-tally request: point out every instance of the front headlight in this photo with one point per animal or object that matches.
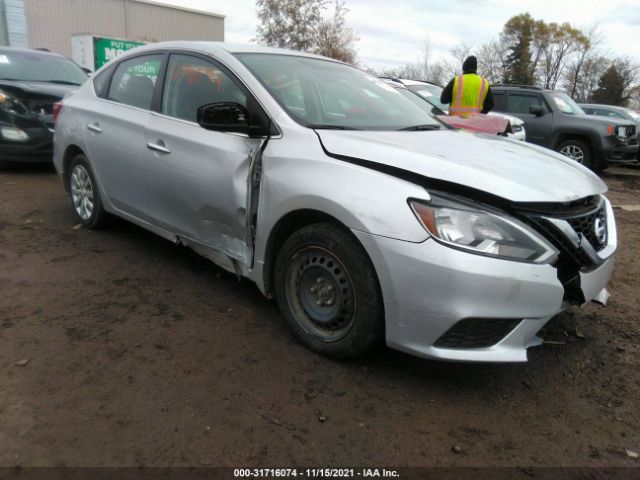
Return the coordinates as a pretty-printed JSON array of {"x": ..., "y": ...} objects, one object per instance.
[
  {"x": 482, "y": 232},
  {"x": 11, "y": 103}
]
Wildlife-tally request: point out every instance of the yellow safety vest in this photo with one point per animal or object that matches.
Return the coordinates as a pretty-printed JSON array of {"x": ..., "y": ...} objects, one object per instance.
[{"x": 469, "y": 92}]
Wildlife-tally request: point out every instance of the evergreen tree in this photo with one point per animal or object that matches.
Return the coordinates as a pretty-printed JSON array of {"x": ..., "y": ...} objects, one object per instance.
[
  {"x": 518, "y": 33},
  {"x": 610, "y": 89}
]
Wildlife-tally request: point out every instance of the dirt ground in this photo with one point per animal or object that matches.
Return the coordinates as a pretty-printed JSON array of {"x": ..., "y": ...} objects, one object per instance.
[{"x": 119, "y": 348}]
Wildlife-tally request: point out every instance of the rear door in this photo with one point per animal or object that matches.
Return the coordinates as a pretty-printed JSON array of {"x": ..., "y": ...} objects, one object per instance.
[
  {"x": 197, "y": 180},
  {"x": 538, "y": 127},
  {"x": 115, "y": 132}
]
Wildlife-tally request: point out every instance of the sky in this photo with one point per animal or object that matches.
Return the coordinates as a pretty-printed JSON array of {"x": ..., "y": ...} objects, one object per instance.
[{"x": 392, "y": 32}]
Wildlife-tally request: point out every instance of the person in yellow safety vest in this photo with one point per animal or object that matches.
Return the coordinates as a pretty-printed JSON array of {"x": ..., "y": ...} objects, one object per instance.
[{"x": 468, "y": 93}]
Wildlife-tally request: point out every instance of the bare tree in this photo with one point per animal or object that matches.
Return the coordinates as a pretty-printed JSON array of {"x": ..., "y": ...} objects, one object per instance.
[
  {"x": 574, "y": 71},
  {"x": 289, "y": 23},
  {"x": 562, "y": 41},
  {"x": 301, "y": 25},
  {"x": 334, "y": 39},
  {"x": 461, "y": 51},
  {"x": 492, "y": 61}
]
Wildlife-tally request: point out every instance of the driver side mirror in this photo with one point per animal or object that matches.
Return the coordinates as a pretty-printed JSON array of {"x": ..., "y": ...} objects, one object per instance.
[
  {"x": 536, "y": 110},
  {"x": 228, "y": 117}
]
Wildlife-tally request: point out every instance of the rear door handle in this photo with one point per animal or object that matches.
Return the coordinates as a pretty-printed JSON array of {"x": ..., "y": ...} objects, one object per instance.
[
  {"x": 158, "y": 147},
  {"x": 94, "y": 127}
]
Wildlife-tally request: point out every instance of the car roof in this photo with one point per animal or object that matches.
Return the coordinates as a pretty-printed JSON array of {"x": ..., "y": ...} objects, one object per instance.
[
  {"x": 521, "y": 87},
  {"x": 605, "y": 107},
  {"x": 31, "y": 51},
  {"x": 231, "y": 48}
]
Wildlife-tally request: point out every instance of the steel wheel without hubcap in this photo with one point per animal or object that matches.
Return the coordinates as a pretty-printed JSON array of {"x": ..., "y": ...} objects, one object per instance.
[
  {"x": 574, "y": 152},
  {"x": 321, "y": 293},
  {"x": 82, "y": 192}
]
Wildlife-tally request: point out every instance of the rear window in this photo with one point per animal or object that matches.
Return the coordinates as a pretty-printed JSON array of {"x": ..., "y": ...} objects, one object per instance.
[
  {"x": 101, "y": 81},
  {"x": 35, "y": 66},
  {"x": 134, "y": 81}
]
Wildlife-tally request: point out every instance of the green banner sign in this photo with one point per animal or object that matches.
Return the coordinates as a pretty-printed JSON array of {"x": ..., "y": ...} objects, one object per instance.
[{"x": 107, "y": 49}]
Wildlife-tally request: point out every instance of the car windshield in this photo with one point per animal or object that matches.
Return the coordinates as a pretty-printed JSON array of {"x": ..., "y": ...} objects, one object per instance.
[
  {"x": 39, "y": 67},
  {"x": 566, "y": 104},
  {"x": 325, "y": 94},
  {"x": 431, "y": 93}
]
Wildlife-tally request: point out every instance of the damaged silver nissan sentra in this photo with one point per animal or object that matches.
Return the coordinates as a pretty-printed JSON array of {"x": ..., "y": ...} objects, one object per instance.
[{"x": 365, "y": 217}]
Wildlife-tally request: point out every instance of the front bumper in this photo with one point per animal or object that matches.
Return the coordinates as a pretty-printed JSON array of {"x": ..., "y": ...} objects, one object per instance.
[
  {"x": 37, "y": 148},
  {"x": 428, "y": 288},
  {"x": 621, "y": 153}
]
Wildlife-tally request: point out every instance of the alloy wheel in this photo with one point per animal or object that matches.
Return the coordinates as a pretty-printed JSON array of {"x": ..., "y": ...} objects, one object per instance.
[
  {"x": 573, "y": 152},
  {"x": 82, "y": 192}
]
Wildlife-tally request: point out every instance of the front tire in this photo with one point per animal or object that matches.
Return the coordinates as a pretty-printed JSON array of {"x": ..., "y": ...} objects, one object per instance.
[
  {"x": 85, "y": 197},
  {"x": 577, "y": 151},
  {"x": 328, "y": 291}
]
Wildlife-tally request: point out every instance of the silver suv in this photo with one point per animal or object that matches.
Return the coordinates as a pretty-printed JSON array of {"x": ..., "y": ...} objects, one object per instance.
[{"x": 366, "y": 218}]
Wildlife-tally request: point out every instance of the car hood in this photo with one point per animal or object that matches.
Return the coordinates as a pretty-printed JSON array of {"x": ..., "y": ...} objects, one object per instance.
[
  {"x": 595, "y": 119},
  {"x": 39, "y": 88},
  {"x": 502, "y": 167},
  {"x": 511, "y": 118}
]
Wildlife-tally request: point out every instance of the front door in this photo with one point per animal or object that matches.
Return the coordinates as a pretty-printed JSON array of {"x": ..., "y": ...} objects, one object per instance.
[
  {"x": 538, "y": 128},
  {"x": 197, "y": 180}
]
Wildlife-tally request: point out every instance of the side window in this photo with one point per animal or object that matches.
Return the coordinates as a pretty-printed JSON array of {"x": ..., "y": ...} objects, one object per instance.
[
  {"x": 134, "y": 80},
  {"x": 589, "y": 111},
  {"x": 101, "y": 81},
  {"x": 520, "y": 103},
  {"x": 192, "y": 82},
  {"x": 609, "y": 113},
  {"x": 500, "y": 102}
]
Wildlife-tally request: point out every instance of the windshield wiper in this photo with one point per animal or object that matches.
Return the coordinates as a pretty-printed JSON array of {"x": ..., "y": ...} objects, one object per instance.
[
  {"x": 418, "y": 128},
  {"x": 62, "y": 82},
  {"x": 321, "y": 126}
]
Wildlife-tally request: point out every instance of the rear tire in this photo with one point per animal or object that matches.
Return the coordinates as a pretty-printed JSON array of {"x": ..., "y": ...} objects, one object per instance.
[
  {"x": 577, "y": 151},
  {"x": 328, "y": 291},
  {"x": 85, "y": 196}
]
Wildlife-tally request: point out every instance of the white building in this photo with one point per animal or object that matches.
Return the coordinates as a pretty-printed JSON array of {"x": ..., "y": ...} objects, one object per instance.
[{"x": 50, "y": 24}]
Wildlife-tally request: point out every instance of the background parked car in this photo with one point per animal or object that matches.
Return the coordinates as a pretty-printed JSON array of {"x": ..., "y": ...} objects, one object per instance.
[
  {"x": 31, "y": 81},
  {"x": 431, "y": 93},
  {"x": 612, "y": 111},
  {"x": 555, "y": 121}
]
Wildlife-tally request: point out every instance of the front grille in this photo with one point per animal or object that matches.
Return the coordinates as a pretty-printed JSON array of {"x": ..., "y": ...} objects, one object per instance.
[
  {"x": 41, "y": 107},
  {"x": 626, "y": 131},
  {"x": 477, "y": 332},
  {"x": 593, "y": 226}
]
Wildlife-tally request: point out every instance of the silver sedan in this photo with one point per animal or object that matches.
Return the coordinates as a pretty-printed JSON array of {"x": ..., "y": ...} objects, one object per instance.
[{"x": 366, "y": 218}]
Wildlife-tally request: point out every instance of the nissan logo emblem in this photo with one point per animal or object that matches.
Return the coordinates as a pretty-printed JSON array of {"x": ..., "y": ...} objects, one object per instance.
[{"x": 600, "y": 229}]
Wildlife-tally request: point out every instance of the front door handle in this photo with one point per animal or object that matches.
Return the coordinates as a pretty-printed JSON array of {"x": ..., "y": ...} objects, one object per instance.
[
  {"x": 94, "y": 127},
  {"x": 158, "y": 147}
]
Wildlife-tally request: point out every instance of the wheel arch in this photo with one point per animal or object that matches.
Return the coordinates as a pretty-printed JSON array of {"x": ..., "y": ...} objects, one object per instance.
[
  {"x": 71, "y": 152},
  {"x": 283, "y": 228},
  {"x": 590, "y": 138}
]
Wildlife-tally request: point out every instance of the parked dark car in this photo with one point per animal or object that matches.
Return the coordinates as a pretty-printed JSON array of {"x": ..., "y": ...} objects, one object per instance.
[
  {"x": 555, "y": 121},
  {"x": 611, "y": 111},
  {"x": 31, "y": 82}
]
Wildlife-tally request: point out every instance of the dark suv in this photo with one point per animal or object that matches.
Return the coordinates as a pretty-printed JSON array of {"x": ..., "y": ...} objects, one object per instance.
[{"x": 553, "y": 120}]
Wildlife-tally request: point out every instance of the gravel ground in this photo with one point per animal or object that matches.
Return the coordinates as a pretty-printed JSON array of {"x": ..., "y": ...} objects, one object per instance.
[{"x": 122, "y": 349}]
